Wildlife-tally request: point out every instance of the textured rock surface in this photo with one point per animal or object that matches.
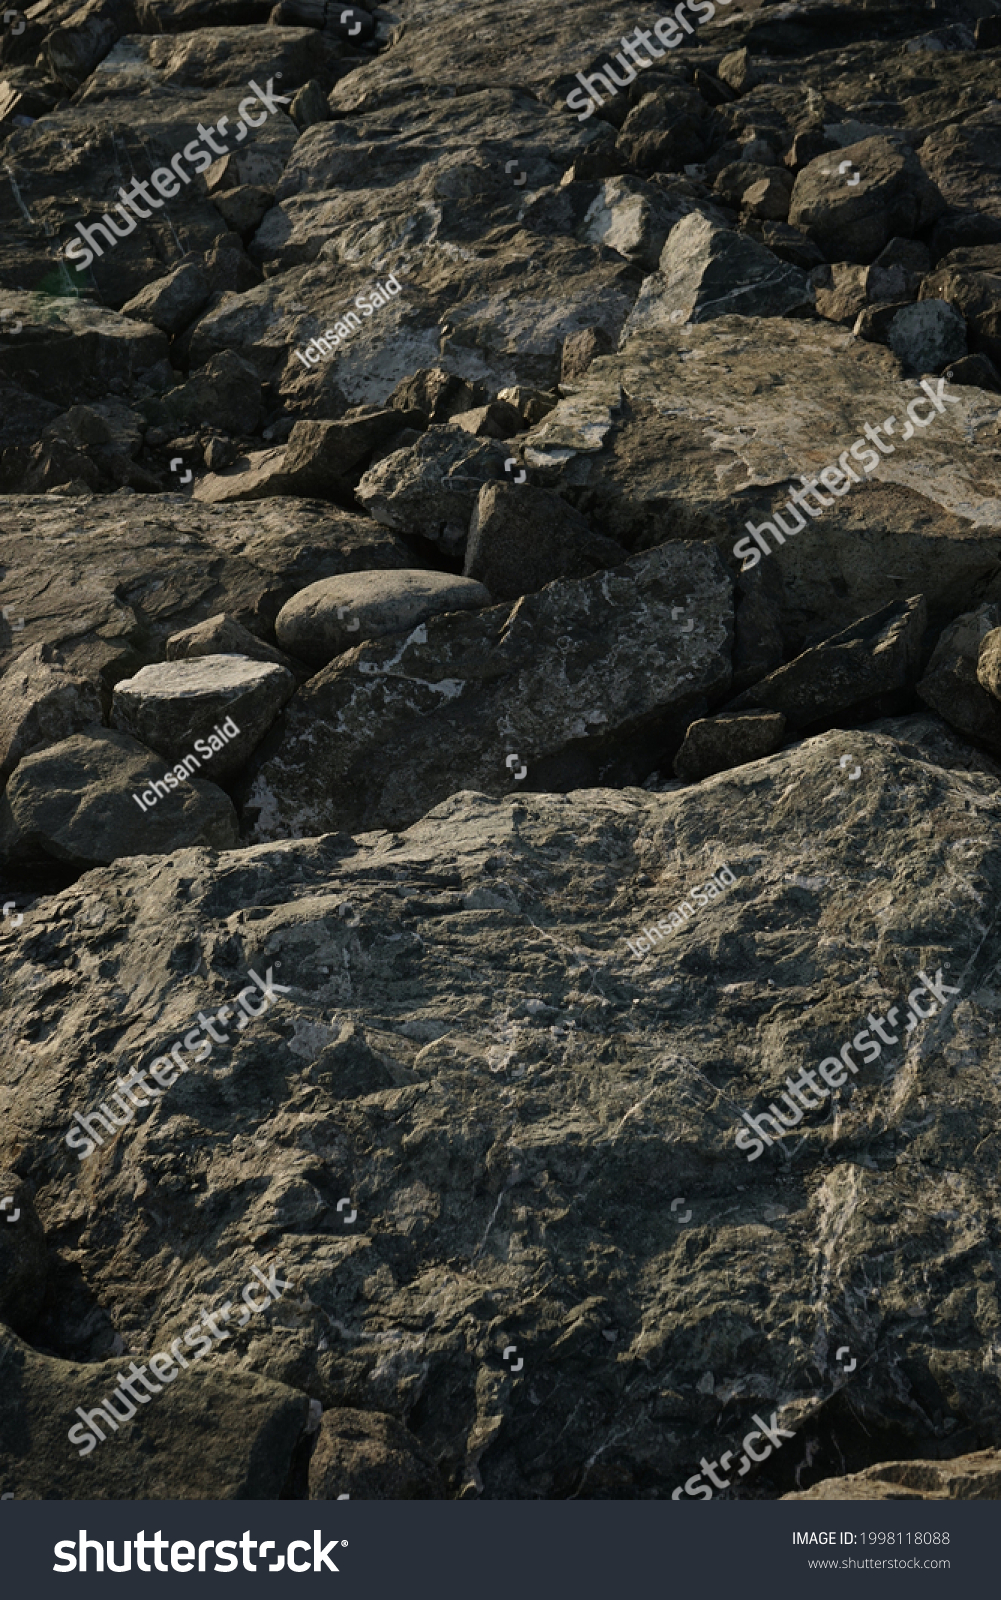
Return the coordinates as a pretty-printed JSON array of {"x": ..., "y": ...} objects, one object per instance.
[
  {"x": 973, "y": 1477},
  {"x": 336, "y": 614},
  {"x": 178, "y": 706},
  {"x": 618, "y": 334},
  {"x": 564, "y": 682}
]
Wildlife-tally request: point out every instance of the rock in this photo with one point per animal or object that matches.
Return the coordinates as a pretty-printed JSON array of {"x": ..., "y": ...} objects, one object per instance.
[
  {"x": 222, "y": 636},
  {"x": 951, "y": 684},
  {"x": 714, "y": 744},
  {"x": 226, "y": 389},
  {"x": 893, "y": 197},
  {"x": 768, "y": 198},
  {"x": 243, "y": 209},
  {"x": 73, "y": 802},
  {"x": 327, "y": 618},
  {"x": 580, "y": 349},
  {"x": 522, "y": 538},
  {"x": 23, "y": 1256},
  {"x": 531, "y": 404},
  {"x": 858, "y": 670},
  {"x": 462, "y": 692},
  {"x": 632, "y": 218},
  {"x": 41, "y": 704},
  {"x": 978, "y": 371},
  {"x": 321, "y": 458},
  {"x": 498, "y": 420},
  {"x": 841, "y": 291},
  {"x": 369, "y": 1456},
  {"x": 707, "y": 271},
  {"x": 177, "y": 707},
  {"x": 971, "y": 1477},
  {"x": 431, "y": 488},
  {"x": 439, "y": 395},
  {"x": 989, "y": 663},
  {"x": 668, "y": 129},
  {"x": 163, "y": 1452},
  {"x": 927, "y": 336},
  {"x": 68, "y": 351},
  {"x": 173, "y": 301},
  {"x": 976, "y": 296},
  {"x": 309, "y": 106},
  {"x": 897, "y": 271},
  {"x": 738, "y": 72}
]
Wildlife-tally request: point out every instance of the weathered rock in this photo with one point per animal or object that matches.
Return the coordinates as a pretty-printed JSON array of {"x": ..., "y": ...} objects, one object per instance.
[
  {"x": 978, "y": 370},
  {"x": 970, "y": 1477},
  {"x": 40, "y": 704},
  {"x": 309, "y": 106},
  {"x": 521, "y": 538},
  {"x": 860, "y": 669},
  {"x": 171, "y": 302},
  {"x": 243, "y": 209},
  {"x": 632, "y": 218},
  {"x": 431, "y": 488},
  {"x": 714, "y": 744},
  {"x": 177, "y": 707},
  {"x": 927, "y": 336},
  {"x": 321, "y": 458},
  {"x": 565, "y": 681},
  {"x": 893, "y": 196},
  {"x": 976, "y": 296},
  {"x": 951, "y": 684},
  {"x": 328, "y": 618},
  {"x": 369, "y": 1456},
  {"x": 707, "y": 271},
  {"x": 989, "y": 663},
  {"x": 841, "y": 290},
  {"x": 498, "y": 420},
  {"x": 739, "y": 72},
  {"x": 438, "y": 394},
  {"x": 580, "y": 349},
  {"x": 227, "y": 390},
  {"x": 73, "y": 802},
  {"x": 23, "y": 1255},
  {"x": 222, "y": 636}
]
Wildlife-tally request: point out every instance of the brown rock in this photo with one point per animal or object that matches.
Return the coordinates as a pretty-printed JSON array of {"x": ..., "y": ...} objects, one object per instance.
[{"x": 370, "y": 1456}]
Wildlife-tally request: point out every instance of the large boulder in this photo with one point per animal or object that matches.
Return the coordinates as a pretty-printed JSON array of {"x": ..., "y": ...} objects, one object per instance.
[
  {"x": 330, "y": 617},
  {"x": 76, "y": 803},
  {"x": 574, "y": 682},
  {"x": 852, "y": 201},
  {"x": 210, "y": 710}
]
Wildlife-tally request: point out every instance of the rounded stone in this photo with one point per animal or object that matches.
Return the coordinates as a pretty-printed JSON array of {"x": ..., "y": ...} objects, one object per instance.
[
  {"x": 329, "y": 617},
  {"x": 214, "y": 709},
  {"x": 928, "y": 335}
]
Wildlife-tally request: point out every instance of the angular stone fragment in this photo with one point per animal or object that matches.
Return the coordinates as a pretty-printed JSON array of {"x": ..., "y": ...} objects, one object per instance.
[
  {"x": 369, "y": 1456},
  {"x": 714, "y": 744},
  {"x": 327, "y": 618},
  {"x": 437, "y": 393},
  {"x": 172, "y": 302},
  {"x": 581, "y": 667},
  {"x": 23, "y": 1255},
  {"x": 841, "y": 291},
  {"x": 41, "y": 703},
  {"x": 580, "y": 349},
  {"x": 893, "y": 196},
  {"x": 226, "y": 391},
  {"x": 952, "y": 685},
  {"x": 178, "y": 707},
  {"x": 707, "y": 271},
  {"x": 927, "y": 336},
  {"x": 431, "y": 488},
  {"x": 856, "y": 668},
  {"x": 498, "y": 420},
  {"x": 633, "y": 218},
  {"x": 222, "y": 636},
  {"x": 74, "y": 803},
  {"x": 521, "y": 538},
  {"x": 976, "y": 295}
]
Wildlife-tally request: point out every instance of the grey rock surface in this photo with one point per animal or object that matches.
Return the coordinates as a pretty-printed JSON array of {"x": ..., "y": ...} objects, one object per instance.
[
  {"x": 171, "y": 302},
  {"x": 332, "y": 616},
  {"x": 859, "y": 669},
  {"x": 177, "y": 708},
  {"x": 521, "y": 538},
  {"x": 927, "y": 336},
  {"x": 40, "y": 704},
  {"x": 431, "y": 488},
  {"x": 714, "y": 744},
  {"x": 951, "y": 684},
  {"x": 73, "y": 803},
  {"x": 222, "y": 636},
  {"x": 894, "y": 196},
  {"x": 579, "y": 669}
]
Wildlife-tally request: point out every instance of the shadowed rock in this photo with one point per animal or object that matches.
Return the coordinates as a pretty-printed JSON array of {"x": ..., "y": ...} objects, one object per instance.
[
  {"x": 951, "y": 684},
  {"x": 368, "y": 1456},
  {"x": 23, "y": 1258},
  {"x": 330, "y": 617},
  {"x": 714, "y": 744},
  {"x": 521, "y": 538}
]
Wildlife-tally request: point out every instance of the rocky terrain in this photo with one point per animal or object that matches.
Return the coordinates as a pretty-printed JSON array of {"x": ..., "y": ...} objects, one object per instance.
[{"x": 465, "y": 643}]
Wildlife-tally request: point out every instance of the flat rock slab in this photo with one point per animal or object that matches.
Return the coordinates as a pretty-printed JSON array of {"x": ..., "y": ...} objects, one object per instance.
[
  {"x": 335, "y": 615},
  {"x": 855, "y": 669},
  {"x": 387, "y": 731},
  {"x": 547, "y": 1089},
  {"x": 213, "y": 709},
  {"x": 74, "y": 803}
]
